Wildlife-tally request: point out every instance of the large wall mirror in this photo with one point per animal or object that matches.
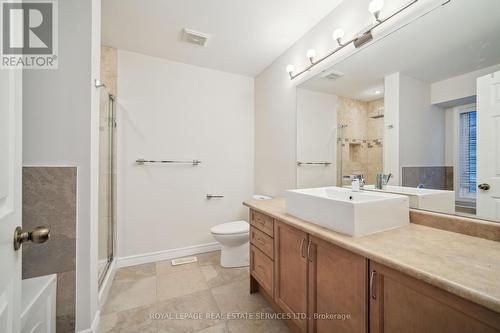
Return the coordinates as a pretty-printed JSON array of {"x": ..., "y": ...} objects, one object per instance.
[{"x": 416, "y": 113}]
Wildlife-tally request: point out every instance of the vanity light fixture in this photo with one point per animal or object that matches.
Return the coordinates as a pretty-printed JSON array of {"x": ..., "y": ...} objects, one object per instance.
[
  {"x": 338, "y": 34},
  {"x": 374, "y": 7},
  {"x": 311, "y": 53}
]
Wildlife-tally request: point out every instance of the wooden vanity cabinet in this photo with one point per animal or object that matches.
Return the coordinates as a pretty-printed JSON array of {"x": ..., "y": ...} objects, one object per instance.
[
  {"x": 337, "y": 286},
  {"x": 400, "y": 303},
  {"x": 261, "y": 253},
  {"x": 290, "y": 292},
  {"x": 312, "y": 279}
]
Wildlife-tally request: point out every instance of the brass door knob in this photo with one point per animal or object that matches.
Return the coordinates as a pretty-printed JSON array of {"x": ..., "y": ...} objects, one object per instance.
[
  {"x": 38, "y": 235},
  {"x": 484, "y": 186}
]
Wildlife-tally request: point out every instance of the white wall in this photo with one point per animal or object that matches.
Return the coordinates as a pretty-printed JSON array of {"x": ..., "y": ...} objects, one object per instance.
[
  {"x": 169, "y": 110},
  {"x": 275, "y": 93},
  {"x": 417, "y": 136},
  {"x": 451, "y": 128},
  {"x": 421, "y": 132},
  {"x": 58, "y": 129},
  {"x": 458, "y": 90},
  {"x": 316, "y": 138},
  {"x": 391, "y": 127}
]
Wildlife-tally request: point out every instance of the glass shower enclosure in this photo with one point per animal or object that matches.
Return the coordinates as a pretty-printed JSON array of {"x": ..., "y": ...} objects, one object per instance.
[{"x": 107, "y": 182}]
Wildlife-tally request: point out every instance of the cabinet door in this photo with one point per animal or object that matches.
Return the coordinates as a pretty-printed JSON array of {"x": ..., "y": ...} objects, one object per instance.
[
  {"x": 400, "y": 303},
  {"x": 291, "y": 272},
  {"x": 338, "y": 289}
]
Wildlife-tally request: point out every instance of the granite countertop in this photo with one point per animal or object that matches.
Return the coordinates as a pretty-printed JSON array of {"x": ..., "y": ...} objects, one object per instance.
[{"x": 463, "y": 265}]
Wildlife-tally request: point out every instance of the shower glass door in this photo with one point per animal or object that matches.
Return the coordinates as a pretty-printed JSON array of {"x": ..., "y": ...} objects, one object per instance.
[{"x": 107, "y": 176}]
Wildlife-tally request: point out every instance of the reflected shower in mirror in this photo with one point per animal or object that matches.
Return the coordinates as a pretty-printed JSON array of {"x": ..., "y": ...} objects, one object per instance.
[{"x": 416, "y": 113}]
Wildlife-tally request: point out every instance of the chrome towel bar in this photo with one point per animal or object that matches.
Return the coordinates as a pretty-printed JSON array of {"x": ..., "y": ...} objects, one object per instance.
[
  {"x": 314, "y": 163},
  {"x": 141, "y": 161}
]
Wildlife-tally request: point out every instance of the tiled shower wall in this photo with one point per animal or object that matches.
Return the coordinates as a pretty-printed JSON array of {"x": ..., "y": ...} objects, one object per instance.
[
  {"x": 361, "y": 142},
  {"x": 49, "y": 198}
]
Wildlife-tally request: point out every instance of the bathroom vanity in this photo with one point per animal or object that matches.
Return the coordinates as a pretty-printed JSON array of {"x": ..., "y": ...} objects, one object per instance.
[{"x": 407, "y": 279}]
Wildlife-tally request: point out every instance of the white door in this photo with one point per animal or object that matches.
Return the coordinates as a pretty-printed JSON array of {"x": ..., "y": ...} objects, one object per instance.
[
  {"x": 10, "y": 198},
  {"x": 488, "y": 146}
]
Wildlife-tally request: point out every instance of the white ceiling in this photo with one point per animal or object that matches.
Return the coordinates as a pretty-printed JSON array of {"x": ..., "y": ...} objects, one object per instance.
[
  {"x": 458, "y": 38},
  {"x": 246, "y": 35}
]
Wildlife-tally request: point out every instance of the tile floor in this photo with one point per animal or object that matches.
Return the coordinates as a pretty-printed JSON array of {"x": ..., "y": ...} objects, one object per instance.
[{"x": 198, "y": 288}]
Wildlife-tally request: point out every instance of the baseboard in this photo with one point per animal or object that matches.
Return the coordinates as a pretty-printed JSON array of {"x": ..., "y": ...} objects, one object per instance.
[
  {"x": 166, "y": 255},
  {"x": 95, "y": 324}
]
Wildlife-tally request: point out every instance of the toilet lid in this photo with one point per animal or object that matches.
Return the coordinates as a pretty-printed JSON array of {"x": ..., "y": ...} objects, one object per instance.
[{"x": 231, "y": 228}]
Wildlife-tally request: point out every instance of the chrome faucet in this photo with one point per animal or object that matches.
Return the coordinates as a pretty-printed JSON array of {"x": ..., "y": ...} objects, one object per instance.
[{"x": 361, "y": 180}]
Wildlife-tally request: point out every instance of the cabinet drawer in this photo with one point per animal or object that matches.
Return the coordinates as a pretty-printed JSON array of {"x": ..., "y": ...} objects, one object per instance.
[
  {"x": 262, "y": 269},
  {"x": 262, "y": 222},
  {"x": 262, "y": 241}
]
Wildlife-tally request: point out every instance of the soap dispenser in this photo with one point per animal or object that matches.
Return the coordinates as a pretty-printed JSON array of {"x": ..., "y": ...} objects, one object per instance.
[{"x": 355, "y": 185}]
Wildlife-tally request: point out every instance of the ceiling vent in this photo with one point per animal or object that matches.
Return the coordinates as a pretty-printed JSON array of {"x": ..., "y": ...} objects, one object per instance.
[
  {"x": 331, "y": 75},
  {"x": 195, "y": 37}
]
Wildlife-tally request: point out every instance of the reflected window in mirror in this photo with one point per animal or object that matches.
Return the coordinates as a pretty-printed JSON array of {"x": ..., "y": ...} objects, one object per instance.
[{"x": 467, "y": 155}]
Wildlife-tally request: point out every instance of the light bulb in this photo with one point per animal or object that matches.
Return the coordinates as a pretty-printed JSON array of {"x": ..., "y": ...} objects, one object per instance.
[
  {"x": 375, "y": 7},
  {"x": 338, "y": 34},
  {"x": 311, "y": 53},
  {"x": 290, "y": 69}
]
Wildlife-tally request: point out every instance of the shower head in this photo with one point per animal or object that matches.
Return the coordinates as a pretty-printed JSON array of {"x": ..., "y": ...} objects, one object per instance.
[{"x": 379, "y": 114}]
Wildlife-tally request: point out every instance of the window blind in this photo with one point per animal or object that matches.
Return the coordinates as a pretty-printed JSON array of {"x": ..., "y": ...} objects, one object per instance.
[{"x": 467, "y": 154}]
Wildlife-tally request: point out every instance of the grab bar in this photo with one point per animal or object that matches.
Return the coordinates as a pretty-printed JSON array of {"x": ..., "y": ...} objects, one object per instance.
[
  {"x": 141, "y": 161},
  {"x": 314, "y": 163}
]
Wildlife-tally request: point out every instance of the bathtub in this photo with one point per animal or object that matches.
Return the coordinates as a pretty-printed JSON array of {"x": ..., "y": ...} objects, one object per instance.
[{"x": 38, "y": 304}]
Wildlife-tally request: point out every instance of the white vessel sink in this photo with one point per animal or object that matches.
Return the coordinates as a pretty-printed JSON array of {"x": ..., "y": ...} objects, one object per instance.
[
  {"x": 348, "y": 212},
  {"x": 422, "y": 198}
]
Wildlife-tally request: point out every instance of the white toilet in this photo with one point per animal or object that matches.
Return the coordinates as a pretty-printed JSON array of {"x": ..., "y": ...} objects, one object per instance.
[{"x": 234, "y": 240}]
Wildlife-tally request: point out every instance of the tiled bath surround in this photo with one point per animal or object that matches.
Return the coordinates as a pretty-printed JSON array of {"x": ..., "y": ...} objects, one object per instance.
[{"x": 49, "y": 198}]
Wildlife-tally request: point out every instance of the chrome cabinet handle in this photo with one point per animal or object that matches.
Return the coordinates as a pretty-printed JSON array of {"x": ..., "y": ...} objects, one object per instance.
[
  {"x": 260, "y": 221},
  {"x": 309, "y": 251},
  {"x": 302, "y": 248},
  {"x": 484, "y": 186},
  {"x": 372, "y": 287},
  {"x": 38, "y": 235}
]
